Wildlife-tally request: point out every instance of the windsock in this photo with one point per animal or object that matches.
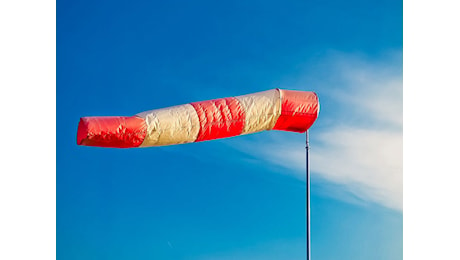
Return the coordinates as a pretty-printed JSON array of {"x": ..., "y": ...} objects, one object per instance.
[{"x": 276, "y": 109}]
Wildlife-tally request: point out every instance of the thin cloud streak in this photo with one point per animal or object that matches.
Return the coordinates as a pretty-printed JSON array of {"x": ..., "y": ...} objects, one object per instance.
[{"x": 359, "y": 144}]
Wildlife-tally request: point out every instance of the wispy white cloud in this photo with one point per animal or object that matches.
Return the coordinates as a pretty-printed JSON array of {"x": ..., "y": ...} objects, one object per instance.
[{"x": 358, "y": 144}]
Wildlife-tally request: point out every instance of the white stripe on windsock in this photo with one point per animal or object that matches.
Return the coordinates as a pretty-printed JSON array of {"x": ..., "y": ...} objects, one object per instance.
[
  {"x": 172, "y": 125},
  {"x": 262, "y": 110}
]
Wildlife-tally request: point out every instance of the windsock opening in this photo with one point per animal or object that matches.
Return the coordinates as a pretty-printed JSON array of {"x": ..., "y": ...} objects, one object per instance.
[
  {"x": 116, "y": 131},
  {"x": 299, "y": 110}
]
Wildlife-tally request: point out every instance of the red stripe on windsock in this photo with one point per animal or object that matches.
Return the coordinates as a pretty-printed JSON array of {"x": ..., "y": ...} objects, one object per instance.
[
  {"x": 299, "y": 110},
  {"x": 219, "y": 118},
  {"x": 114, "y": 131}
]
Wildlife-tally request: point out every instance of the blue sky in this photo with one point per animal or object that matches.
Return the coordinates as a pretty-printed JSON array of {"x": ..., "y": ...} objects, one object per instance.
[{"x": 236, "y": 198}]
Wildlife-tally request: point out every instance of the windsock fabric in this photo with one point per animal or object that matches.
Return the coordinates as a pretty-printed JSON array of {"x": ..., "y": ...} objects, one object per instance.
[{"x": 277, "y": 109}]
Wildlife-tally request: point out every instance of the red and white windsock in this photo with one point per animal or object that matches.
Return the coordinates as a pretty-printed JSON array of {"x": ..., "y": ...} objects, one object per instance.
[{"x": 276, "y": 109}]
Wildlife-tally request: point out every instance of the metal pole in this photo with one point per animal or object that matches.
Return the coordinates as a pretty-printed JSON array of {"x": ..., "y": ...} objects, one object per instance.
[{"x": 307, "y": 148}]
